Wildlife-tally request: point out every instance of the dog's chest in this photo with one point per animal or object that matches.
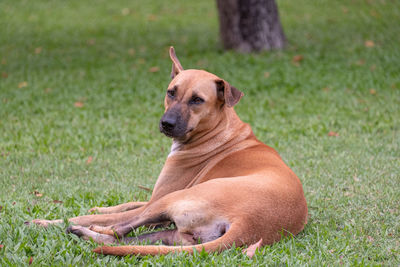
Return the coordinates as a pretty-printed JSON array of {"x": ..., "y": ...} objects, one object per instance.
[{"x": 174, "y": 148}]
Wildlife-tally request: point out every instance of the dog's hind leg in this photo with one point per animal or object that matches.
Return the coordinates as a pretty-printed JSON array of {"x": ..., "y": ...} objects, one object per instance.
[{"x": 118, "y": 208}]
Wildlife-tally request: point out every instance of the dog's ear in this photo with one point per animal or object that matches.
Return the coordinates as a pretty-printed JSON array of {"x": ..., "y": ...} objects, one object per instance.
[
  {"x": 176, "y": 65},
  {"x": 227, "y": 93}
]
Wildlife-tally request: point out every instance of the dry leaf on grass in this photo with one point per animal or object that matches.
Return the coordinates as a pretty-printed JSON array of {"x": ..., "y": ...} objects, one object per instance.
[
  {"x": 22, "y": 84},
  {"x": 91, "y": 41},
  {"x": 369, "y": 43},
  {"x": 251, "y": 250},
  {"x": 131, "y": 51},
  {"x": 30, "y": 260},
  {"x": 4, "y": 74},
  {"x": 89, "y": 160},
  {"x": 38, "y": 50},
  {"x": 154, "y": 69},
  {"x": 37, "y": 193},
  {"x": 360, "y": 62},
  {"x": 78, "y": 104},
  {"x": 266, "y": 74},
  {"x": 372, "y": 91},
  {"x": 125, "y": 11},
  {"x": 297, "y": 58},
  {"x": 332, "y": 133},
  {"x": 55, "y": 201},
  {"x": 152, "y": 17},
  {"x": 144, "y": 188},
  {"x": 1, "y": 246}
]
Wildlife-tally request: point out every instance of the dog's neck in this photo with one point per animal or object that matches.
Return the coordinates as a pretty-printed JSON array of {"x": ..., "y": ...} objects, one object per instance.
[
  {"x": 176, "y": 146},
  {"x": 222, "y": 134}
]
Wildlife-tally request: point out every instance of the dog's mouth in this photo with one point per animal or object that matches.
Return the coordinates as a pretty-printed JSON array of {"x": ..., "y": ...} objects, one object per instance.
[{"x": 177, "y": 133}]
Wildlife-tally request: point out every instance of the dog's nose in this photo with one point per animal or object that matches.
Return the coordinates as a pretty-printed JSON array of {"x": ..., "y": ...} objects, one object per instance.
[{"x": 168, "y": 123}]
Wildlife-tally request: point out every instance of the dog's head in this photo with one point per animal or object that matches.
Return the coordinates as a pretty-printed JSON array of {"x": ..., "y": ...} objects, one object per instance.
[{"x": 194, "y": 101}]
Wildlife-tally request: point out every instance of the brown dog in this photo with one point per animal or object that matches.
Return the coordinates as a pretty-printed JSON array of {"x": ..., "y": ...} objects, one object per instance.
[{"x": 220, "y": 185}]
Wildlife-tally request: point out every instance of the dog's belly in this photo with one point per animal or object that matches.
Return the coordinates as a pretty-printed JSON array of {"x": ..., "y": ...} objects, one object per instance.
[{"x": 194, "y": 222}]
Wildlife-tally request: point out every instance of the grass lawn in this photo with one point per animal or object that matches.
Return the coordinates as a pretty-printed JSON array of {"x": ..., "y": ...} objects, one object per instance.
[{"x": 81, "y": 91}]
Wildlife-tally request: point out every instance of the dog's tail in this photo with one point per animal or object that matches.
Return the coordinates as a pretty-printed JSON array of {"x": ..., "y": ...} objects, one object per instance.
[{"x": 232, "y": 236}]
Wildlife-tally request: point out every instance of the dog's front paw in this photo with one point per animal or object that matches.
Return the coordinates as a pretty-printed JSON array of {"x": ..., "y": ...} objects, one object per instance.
[
  {"x": 76, "y": 230},
  {"x": 87, "y": 234},
  {"x": 43, "y": 223}
]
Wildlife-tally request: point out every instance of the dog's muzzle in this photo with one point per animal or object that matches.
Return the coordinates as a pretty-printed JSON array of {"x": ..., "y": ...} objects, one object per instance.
[{"x": 172, "y": 124}]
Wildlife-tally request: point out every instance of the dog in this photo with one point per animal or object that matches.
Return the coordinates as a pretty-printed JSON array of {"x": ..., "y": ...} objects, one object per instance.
[{"x": 220, "y": 185}]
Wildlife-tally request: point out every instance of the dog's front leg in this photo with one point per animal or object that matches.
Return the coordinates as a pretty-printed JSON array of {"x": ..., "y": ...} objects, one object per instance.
[{"x": 96, "y": 219}]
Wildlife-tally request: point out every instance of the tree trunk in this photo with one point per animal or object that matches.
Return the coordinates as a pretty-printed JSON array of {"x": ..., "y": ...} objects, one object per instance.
[{"x": 250, "y": 25}]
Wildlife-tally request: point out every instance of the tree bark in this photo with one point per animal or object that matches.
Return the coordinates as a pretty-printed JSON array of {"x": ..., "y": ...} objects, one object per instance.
[{"x": 250, "y": 25}]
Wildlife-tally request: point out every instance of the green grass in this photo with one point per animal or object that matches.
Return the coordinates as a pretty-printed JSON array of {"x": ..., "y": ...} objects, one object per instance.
[{"x": 100, "y": 53}]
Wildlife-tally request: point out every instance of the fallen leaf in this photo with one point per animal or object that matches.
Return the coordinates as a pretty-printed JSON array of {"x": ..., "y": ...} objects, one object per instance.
[
  {"x": 89, "y": 160},
  {"x": 37, "y": 193},
  {"x": 345, "y": 10},
  {"x": 14, "y": 203},
  {"x": 1, "y": 246},
  {"x": 297, "y": 58},
  {"x": 91, "y": 41},
  {"x": 374, "y": 13},
  {"x": 4, "y": 74},
  {"x": 154, "y": 69},
  {"x": 251, "y": 250},
  {"x": 38, "y": 50},
  {"x": 78, "y": 104},
  {"x": 360, "y": 62},
  {"x": 152, "y": 17},
  {"x": 144, "y": 188},
  {"x": 331, "y": 133},
  {"x": 30, "y": 260},
  {"x": 131, "y": 51},
  {"x": 125, "y": 11},
  {"x": 57, "y": 201},
  {"x": 372, "y": 91},
  {"x": 3, "y": 61},
  {"x": 370, "y": 238},
  {"x": 369, "y": 43},
  {"x": 266, "y": 74},
  {"x": 22, "y": 84},
  {"x": 373, "y": 67}
]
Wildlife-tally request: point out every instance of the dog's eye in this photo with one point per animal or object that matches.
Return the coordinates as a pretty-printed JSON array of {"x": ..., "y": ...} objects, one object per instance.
[
  {"x": 171, "y": 93},
  {"x": 196, "y": 100}
]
